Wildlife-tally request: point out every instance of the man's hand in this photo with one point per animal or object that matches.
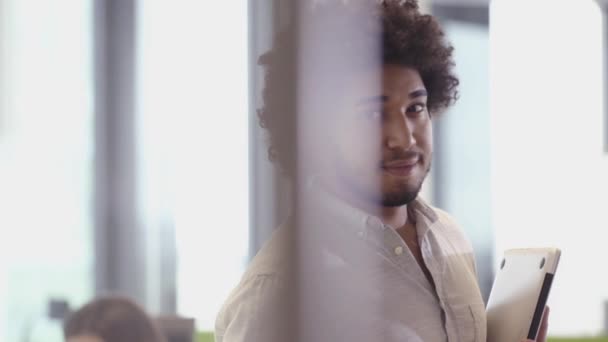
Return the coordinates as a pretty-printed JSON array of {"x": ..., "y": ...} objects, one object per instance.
[{"x": 544, "y": 326}]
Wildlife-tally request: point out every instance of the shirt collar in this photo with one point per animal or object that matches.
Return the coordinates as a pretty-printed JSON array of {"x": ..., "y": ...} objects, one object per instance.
[{"x": 333, "y": 208}]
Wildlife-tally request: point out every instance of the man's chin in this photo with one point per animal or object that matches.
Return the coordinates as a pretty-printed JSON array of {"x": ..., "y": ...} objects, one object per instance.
[
  {"x": 399, "y": 199},
  {"x": 400, "y": 195}
]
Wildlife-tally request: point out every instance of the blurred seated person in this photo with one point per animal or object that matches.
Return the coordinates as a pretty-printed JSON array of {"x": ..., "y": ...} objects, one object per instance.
[{"x": 111, "y": 319}]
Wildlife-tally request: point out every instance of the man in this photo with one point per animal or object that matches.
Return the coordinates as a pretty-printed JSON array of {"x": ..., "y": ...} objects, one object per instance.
[{"x": 362, "y": 258}]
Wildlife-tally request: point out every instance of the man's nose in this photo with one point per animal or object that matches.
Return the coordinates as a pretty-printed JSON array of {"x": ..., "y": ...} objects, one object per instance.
[{"x": 398, "y": 132}]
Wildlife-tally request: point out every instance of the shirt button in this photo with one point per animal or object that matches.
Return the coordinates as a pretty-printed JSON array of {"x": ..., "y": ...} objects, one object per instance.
[
  {"x": 399, "y": 250},
  {"x": 374, "y": 222},
  {"x": 360, "y": 234}
]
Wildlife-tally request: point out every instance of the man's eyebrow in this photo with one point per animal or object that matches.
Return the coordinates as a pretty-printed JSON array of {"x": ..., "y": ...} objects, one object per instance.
[
  {"x": 384, "y": 98},
  {"x": 418, "y": 93}
]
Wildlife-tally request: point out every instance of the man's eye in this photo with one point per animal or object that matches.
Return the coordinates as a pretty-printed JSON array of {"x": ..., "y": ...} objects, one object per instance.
[{"x": 416, "y": 108}]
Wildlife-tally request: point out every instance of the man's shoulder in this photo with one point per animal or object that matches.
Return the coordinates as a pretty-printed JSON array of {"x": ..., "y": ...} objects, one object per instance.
[
  {"x": 272, "y": 259},
  {"x": 256, "y": 299},
  {"x": 269, "y": 265},
  {"x": 437, "y": 215},
  {"x": 252, "y": 310},
  {"x": 446, "y": 219},
  {"x": 447, "y": 226}
]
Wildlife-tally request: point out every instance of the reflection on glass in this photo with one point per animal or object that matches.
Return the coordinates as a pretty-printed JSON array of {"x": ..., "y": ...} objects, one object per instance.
[{"x": 350, "y": 94}]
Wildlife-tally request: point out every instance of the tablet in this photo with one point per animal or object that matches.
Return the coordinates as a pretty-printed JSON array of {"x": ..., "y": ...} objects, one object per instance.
[{"x": 519, "y": 293}]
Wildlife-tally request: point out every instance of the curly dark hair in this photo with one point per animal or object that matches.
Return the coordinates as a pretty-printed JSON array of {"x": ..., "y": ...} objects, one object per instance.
[{"x": 361, "y": 32}]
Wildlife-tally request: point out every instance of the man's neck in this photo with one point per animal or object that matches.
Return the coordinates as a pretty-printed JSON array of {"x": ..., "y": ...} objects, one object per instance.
[{"x": 395, "y": 217}]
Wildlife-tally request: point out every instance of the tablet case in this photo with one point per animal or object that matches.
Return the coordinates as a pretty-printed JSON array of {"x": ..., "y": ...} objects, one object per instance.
[{"x": 519, "y": 293}]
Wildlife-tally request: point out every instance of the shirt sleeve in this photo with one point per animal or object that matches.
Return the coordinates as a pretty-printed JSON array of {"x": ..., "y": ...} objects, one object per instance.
[{"x": 254, "y": 312}]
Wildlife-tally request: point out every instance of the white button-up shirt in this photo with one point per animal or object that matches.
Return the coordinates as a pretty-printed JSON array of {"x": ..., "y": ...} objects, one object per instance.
[{"x": 343, "y": 275}]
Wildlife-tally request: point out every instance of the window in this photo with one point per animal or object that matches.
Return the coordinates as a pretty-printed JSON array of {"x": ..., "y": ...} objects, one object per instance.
[
  {"x": 45, "y": 163},
  {"x": 194, "y": 120},
  {"x": 549, "y": 171}
]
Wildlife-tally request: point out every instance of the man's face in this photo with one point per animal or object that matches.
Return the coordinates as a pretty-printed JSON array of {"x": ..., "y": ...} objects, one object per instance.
[{"x": 383, "y": 136}]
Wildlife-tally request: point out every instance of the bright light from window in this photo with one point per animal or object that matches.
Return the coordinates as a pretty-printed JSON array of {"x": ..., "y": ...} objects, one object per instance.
[
  {"x": 193, "y": 106},
  {"x": 46, "y": 137},
  {"x": 549, "y": 179}
]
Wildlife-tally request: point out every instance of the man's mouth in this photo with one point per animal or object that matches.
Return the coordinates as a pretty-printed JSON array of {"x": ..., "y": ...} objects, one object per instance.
[{"x": 402, "y": 167}]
